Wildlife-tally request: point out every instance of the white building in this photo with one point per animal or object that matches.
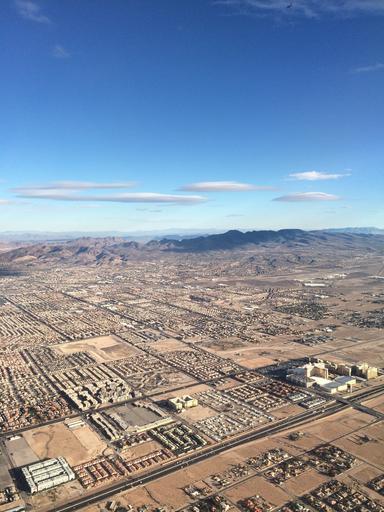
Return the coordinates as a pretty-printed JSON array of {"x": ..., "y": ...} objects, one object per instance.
[
  {"x": 41, "y": 476},
  {"x": 317, "y": 374}
]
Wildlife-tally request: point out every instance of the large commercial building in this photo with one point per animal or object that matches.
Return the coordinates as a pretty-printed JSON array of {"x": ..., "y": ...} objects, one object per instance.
[
  {"x": 41, "y": 476},
  {"x": 365, "y": 371},
  {"x": 318, "y": 374}
]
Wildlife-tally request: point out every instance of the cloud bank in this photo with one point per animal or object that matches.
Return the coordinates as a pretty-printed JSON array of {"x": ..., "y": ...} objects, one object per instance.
[
  {"x": 299, "y": 197},
  {"x": 138, "y": 197},
  {"x": 78, "y": 185}
]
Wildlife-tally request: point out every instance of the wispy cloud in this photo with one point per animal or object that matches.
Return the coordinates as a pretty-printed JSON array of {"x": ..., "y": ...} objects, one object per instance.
[
  {"x": 31, "y": 11},
  {"x": 299, "y": 197},
  {"x": 304, "y": 8},
  {"x": 379, "y": 66},
  {"x": 222, "y": 186},
  {"x": 151, "y": 210},
  {"x": 77, "y": 185},
  {"x": 59, "y": 52},
  {"x": 138, "y": 197},
  {"x": 4, "y": 202},
  {"x": 315, "y": 176}
]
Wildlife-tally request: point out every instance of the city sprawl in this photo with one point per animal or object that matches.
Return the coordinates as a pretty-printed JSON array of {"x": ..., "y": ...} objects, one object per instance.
[{"x": 193, "y": 383}]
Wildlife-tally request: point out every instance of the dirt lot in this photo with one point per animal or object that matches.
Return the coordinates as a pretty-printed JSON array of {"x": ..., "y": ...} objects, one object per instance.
[
  {"x": 76, "y": 446},
  {"x": 285, "y": 412},
  {"x": 169, "y": 345},
  {"x": 371, "y": 352},
  {"x": 45, "y": 501},
  {"x": 102, "y": 348},
  {"x": 20, "y": 452},
  {"x": 371, "y": 451},
  {"x": 258, "y": 485},
  {"x": 303, "y": 483},
  {"x": 339, "y": 425},
  {"x": 140, "y": 450},
  {"x": 376, "y": 403}
]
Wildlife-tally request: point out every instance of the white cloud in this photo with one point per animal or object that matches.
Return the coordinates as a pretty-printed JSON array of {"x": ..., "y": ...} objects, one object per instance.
[
  {"x": 222, "y": 186},
  {"x": 305, "y": 8},
  {"x": 315, "y": 176},
  {"x": 59, "y": 52},
  {"x": 138, "y": 197},
  {"x": 307, "y": 196},
  {"x": 368, "y": 69},
  {"x": 78, "y": 185},
  {"x": 4, "y": 202},
  {"x": 31, "y": 11},
  {"x": 150, "y": 210}
]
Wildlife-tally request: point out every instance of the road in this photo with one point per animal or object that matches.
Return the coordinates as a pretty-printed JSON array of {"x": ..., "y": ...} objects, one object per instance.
[
  {"x": 282, "y": 425},
  {"x": 201, "y": 456}
]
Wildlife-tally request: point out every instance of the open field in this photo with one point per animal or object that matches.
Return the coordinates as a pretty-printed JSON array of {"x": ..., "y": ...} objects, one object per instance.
[
  {"x": 376, "y": 403},
  {"x": 372, "y": 352},
  {"x": 76, "y": 446},
  {"x": 102, "y": 348},
  {"x": 20, "y": 452}
]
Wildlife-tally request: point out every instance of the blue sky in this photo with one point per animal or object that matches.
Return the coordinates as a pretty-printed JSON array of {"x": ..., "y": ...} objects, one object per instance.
[{"x": 191, "y": 114}]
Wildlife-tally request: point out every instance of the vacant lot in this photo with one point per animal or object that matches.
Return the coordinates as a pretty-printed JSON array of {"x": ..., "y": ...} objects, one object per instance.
[
  {"x": 76, "y": 446},
  {"x": 102, "y": 348}
]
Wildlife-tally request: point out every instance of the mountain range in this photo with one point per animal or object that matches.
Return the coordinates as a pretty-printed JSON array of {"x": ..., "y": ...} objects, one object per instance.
[
  {"x": 117, "y": 250},
  {"x": 141, "y": 236}
]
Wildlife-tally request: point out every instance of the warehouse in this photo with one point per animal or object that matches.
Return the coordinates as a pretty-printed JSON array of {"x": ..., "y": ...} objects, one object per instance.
[{"x": 41, "y": 476}]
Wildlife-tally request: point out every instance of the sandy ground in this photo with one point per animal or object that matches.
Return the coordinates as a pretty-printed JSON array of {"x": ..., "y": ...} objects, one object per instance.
[
  {"x": 102, "y": 348},
  {"x": 372, "y": 451},
  {"x": 169, "y": 345},
  {"x": 364, "y": 472},
  {"x": 158, "y": 382},
  {"x": 286, "y": 411},
  {"x": 376, "y": 403},
  {"x": 257, "y": 485},
  {"x": 140, "y": 450},
  {"x": 76, "y": 446},
  {"x": 20, "y": 452},
  {"x": 303, "y": 483},
  {"x": 371, "y": 352},
  {"x": 5, "y": 477},
  {"x": 339, "y": 425},
  {"x": 197, "y": 413},
  {"x": 5, "y": 507},
  {"x": 59, "y": 495}
]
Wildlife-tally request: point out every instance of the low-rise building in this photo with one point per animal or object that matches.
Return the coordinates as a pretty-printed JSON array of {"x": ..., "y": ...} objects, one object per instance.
[
  {"x": 41, "y": 476},
  {"x": 182, "y": 402}
]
